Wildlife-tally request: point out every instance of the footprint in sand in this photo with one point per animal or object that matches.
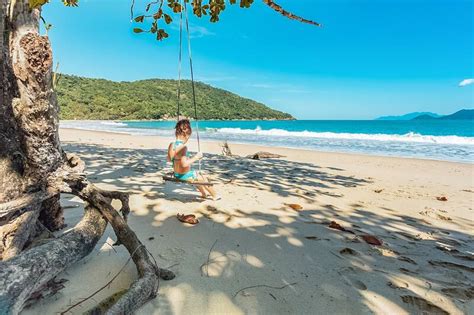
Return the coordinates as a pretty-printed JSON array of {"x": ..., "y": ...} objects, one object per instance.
[
  {"x": 407, "y": 259},
  {"x": 450, "y": 265},
  {"x": 397, "y": 284},
  {"x": 434, "y": 213},
  {"x": 465, "y": 257},
  {"x": 355, "y": 283},
  {"x": 358, "y": 284},
  {"x": 349, "y": 252},
  {"x": 172, "y": 254},
  {"x": 463, "y": 294},
  {"x": 408, "y": 271},
  {"x": 449, "y": 241},
  {"x": 422, "y": 306},
  {"x": 456, "y": 253},
  {"x": 349, "y": 275}
]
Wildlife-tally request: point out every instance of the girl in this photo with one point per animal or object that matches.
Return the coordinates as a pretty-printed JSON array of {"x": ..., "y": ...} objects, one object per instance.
[{"x": 178, "y": 155}]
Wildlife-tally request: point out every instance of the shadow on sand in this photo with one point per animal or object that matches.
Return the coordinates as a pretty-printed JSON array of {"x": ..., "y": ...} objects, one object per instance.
[{"x": 295, "y": 261}]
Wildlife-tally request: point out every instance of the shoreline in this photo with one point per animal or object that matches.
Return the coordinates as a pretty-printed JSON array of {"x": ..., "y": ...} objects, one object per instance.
[{"x": 270, "y": 147}]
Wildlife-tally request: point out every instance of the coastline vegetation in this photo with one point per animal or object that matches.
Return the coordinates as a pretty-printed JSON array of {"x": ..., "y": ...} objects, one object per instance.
[{"x": 86, "y": 98}]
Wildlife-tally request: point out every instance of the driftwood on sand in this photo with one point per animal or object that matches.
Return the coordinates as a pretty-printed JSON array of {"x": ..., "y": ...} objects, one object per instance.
[
  {"x": 264, "y": 155},
  {"x": 226, "y": 151}
]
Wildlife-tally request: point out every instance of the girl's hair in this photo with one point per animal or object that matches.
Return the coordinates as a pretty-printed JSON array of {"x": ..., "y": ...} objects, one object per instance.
[{"x": 183, "y": 128}]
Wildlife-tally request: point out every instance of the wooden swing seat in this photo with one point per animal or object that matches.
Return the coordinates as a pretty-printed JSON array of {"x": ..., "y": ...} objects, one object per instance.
[{"x": 170, "y": 178}]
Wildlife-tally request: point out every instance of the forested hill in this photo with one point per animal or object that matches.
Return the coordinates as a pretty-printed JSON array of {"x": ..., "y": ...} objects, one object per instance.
[{"x": 85, "y": 98}]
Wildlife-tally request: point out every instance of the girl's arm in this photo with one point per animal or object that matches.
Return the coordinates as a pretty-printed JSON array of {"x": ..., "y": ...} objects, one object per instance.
[
  {"x": 187, "y": 162},
  {"x": 171, "y": 153}
]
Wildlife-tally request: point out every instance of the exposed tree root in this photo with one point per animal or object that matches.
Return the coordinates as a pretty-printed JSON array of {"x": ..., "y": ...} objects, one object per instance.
[
  {"x": 146, "y": 286},
  {"x": 18, "y": 232},
  {"x": 51, "y": 288},
  {"x": 23, "y": 275}
]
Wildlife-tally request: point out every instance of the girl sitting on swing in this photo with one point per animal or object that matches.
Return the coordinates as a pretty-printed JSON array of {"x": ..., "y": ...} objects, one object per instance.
[{"x": 178, "y": 155}]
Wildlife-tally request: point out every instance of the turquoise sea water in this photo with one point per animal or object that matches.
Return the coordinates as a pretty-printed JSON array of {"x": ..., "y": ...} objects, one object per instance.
[{"x": 433, "y": 139}]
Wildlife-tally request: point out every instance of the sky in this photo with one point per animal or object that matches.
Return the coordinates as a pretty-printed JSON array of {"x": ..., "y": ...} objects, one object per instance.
[{"x": 370, "y": 58}]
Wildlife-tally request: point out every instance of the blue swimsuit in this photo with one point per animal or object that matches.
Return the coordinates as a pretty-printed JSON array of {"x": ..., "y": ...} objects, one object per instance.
[{"x": 190, "y": 175}]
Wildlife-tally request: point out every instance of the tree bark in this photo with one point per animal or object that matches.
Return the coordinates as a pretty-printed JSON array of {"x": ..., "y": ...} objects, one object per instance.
[{"x": 28, "y": 123}]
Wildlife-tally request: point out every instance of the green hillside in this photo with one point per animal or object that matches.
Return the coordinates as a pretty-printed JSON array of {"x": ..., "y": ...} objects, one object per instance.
[{"x": 85, "y": 98}]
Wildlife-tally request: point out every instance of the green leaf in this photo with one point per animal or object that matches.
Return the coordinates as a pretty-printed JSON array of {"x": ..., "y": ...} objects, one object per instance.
[
  {"x": 137, "y": 30},
  {"x": 71, "y": 3},
  {"x": 161, "y": 34},
  {"x": 168, "y": 19},
  {"x": 158, "y": 14},
  {"x": 154, "y": 27},
  {"x": 140, "y": 18},
  {"x": 36, "y": 3}
]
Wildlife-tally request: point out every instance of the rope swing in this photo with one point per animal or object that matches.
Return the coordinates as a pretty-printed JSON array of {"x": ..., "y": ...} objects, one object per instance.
[{"x": 196, "y": 119}]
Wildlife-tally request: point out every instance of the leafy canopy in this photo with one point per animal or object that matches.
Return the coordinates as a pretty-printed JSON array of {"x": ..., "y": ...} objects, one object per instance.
[{"x": 160, "y": 12}]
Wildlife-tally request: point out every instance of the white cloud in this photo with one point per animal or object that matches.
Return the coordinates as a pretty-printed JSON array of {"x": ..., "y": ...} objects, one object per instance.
[
  {"x": 196, "y": 31},
  {"x": 282, "y": 88},
  {"x": 199, "y": 31},
  {"x": 466, "y": 82},
  {"x": 216, "y": 78},
  {"x": 262, "y": 86}
]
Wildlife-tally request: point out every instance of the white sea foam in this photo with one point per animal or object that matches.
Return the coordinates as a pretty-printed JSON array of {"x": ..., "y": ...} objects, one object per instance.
[
  {"x": 113, "y": 123},
  {"x": 112, "y": 126},
  {"x": 409, "y": 137},
  {"x": 450, "y": 147}
]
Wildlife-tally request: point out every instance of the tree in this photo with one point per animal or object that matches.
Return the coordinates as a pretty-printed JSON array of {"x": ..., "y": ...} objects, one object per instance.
[{"x": 34, "y": 169}]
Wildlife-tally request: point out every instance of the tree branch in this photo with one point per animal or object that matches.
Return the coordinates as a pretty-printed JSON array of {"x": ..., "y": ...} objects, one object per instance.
[
  {"x": 23, "y": 204},
  {"x": 288, "y": 14}
]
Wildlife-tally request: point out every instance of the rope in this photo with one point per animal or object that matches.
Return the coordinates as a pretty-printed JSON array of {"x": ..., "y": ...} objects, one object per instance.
[
  {"x": 179, "y": 61},
  {"x": 192, "y": 81}
]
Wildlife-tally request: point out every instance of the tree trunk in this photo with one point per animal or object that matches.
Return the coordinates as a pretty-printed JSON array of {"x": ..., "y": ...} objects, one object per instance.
[
  {"x": 28, "y": 123},
  {"x": 34, "y": 170}
]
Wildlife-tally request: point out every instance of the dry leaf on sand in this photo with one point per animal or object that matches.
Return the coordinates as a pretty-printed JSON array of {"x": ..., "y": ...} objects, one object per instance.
[
  {"x": 372, "y": 240},
  {"x": 294, "y": 206}
]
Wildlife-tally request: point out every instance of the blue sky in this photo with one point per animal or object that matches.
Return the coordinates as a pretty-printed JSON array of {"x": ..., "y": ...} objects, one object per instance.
[{"x": 371, "y": 58}]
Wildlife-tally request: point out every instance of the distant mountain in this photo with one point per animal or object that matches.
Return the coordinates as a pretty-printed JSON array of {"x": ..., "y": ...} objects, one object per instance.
[
  {"x": 464, "y": 114},
  {"x": 409, "y": 116},
  {"x": 425, "y": 117},
  {"x": 85, "y": 98}
]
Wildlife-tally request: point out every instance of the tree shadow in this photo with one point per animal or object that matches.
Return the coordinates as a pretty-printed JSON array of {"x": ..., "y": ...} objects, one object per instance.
[
  {"x": 285, "y": 178},
  {"x": 289, "y": 261}
]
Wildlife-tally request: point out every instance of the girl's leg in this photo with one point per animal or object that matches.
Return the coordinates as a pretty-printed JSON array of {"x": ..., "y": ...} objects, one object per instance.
[
  {"x": 211, "y": 191},
  {"x": 207, "y": 188},
  {"x": 202, "y": 191}
]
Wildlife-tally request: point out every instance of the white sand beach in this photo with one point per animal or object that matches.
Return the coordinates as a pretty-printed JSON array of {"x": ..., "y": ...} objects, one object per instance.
[{"x": 251, "y": 253}]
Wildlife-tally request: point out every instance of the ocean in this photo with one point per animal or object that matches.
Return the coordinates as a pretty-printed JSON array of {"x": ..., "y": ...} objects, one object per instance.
[{"x": 433, "y": 139}]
